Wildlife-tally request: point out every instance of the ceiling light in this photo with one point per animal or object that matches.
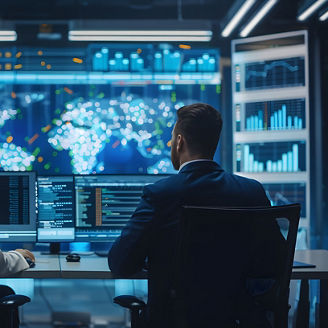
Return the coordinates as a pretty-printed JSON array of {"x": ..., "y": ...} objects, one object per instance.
[
  {"x": 310, "y": 10},
  {"x": 237, "y": 17},
  {"x": 8, "y": 36},
  {"x": 142, "y": 32},
  {"x": 135, "y": 30},
  {"x": 134, "y": 35},
  {"x": 257, "y": 18},
  {"x": 324, "y": 16}
]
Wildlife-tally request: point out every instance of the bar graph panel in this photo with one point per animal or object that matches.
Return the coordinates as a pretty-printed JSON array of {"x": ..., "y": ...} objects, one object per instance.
[
  {"x": 271, "y": 157},
  {"x": 275, "y": 115},
  {"x": 153, "y": 58}
]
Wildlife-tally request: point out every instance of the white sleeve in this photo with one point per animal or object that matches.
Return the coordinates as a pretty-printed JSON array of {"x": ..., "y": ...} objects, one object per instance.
[{"x": 12, "y": 262}]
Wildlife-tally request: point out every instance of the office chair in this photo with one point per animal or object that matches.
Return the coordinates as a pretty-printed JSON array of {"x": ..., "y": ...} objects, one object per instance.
[
  {"x": 238, "y": 245},
  {"x": 9, "y": 303}
]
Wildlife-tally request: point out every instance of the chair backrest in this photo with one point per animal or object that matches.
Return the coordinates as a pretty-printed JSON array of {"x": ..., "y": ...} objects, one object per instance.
[{"x": 234, "y": 264}]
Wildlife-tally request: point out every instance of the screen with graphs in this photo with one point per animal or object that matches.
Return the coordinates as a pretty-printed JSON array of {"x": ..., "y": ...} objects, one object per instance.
[
  {"x": 274, "y": 73},
  {"x": 271, "y": 157},
  {"x": 271, "y": 116},
  {"x": 287, "y": 193},
  {"x": 98, "y": 109}
]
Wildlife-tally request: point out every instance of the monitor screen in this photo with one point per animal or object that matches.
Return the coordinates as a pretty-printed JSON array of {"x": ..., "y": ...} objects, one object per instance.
[
  {"x": 101, "y": 108},
  {"x": 104, "y": 204},
  {"x": 56, "y": 208},
  {"x": 18, "y": 206}
]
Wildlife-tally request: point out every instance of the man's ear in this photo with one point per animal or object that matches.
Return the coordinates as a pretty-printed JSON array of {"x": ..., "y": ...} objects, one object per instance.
[{"x": 180, "y": 142}]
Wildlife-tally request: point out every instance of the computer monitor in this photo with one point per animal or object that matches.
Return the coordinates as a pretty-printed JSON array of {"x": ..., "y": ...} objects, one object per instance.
[
  {"x": 18, "y": 206},
  {"x": 56, "y": 208},
  {"x": 104, "y": 204}
]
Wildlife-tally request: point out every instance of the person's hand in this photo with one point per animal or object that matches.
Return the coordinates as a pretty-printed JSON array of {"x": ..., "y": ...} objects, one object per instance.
[{"x": 26, "y": 253}]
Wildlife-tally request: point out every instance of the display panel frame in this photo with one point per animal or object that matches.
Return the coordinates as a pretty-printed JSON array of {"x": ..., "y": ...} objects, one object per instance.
[{"x": 270, "y": 48}]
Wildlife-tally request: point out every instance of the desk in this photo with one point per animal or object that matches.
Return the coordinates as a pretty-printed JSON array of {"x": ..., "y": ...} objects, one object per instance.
[
  {"x": 47, "y": 266},
  {"x": 95, "y": 267},
  {"x": 318, "y": 257},
  {"x": 56, "y": 266},
  {"x": 89, "y": 267}
]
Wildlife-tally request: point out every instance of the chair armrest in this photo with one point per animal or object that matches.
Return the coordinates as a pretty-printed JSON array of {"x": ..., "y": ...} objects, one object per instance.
[
  {"x": 12, "y": 301},
  {"x": 130, "y": 302}
]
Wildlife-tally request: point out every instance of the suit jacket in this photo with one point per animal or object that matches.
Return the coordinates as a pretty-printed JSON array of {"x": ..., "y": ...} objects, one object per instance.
[
  {"x": 12, "y": 262},
  {"x": 152, "y": 229}
]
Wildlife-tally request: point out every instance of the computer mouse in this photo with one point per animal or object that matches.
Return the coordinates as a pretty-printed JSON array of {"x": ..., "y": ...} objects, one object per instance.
[
  {"x": 73, "y": 257},
  {"x": 30, "y": 262}
]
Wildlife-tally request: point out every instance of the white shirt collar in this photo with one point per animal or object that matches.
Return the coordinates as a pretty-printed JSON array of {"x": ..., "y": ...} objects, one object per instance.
[{"x": 195, "y": 160}]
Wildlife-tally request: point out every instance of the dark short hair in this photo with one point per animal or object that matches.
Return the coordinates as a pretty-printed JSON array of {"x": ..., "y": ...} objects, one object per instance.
[{"x": 201, "y": 125}]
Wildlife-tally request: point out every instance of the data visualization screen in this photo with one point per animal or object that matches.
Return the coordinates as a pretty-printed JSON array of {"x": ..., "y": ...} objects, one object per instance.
[
  {"x": 17, "y": 206},
  {"x": 104, "y": 204},
  {"x": 285, "y": 114},
  {"x": 103, "y": 108},
  {"x": 271, "y": 138},
  {"x": 275, "y": 73},
  {"x": 287, "y": 193},
  {"x": 56, "y": 208},
  {"x": 271, "y": 157}
]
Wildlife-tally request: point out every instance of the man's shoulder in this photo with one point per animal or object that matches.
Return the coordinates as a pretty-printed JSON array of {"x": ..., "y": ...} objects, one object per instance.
[
  {"x": 164, "y": 185},
  {"x": 243, "y": 180},
  {"x": 248, "y": 188}
]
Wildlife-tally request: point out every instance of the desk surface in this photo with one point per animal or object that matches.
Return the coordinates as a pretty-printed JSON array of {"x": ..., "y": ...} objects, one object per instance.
[
  {"x": 95, "y": 267},
  {"x": 318, "y": 257},
  {"x": 46, "y": 266},
  {"x": 89, "y": 267}
]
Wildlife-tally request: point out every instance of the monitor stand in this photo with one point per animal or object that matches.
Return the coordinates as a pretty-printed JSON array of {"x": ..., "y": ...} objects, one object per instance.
[{"x": 54, "y": 249}]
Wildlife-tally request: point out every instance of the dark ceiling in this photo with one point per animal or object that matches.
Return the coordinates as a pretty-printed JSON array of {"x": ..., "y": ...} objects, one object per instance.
[{"x": 281, "y": 18}]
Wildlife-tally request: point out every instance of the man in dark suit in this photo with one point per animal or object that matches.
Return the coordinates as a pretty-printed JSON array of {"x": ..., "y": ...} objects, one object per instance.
[{"x": 151, "y": 231}]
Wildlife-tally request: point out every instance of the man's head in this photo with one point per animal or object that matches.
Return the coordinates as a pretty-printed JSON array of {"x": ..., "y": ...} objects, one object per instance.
[{"x": 196, "y": 133}]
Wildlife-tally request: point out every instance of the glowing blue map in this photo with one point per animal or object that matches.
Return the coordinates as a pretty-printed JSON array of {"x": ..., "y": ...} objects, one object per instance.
[{"x": 63, "y": 129}]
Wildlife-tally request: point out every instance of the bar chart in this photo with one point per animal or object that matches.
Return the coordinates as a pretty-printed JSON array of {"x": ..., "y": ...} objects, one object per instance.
[
  {"x": 205, "y": 63},
  {"x": 275, "y": 115},
  {"x": 271, "y": 157},
  {"x": 287, "y": 193},
  {"x": 171, "y": 60}
]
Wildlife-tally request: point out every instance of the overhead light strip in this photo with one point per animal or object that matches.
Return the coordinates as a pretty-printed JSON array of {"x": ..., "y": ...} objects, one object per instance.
[
  {"x": 237, "y": 17},
  {"x": 257, "y": 18},
  {"x": 309, "y": 11},
  {"x": 141, "y": 32},
  {"x": 138, "y": 38},
  {"x": 8, "y": 36},
  {"x": 324, "y": 16}
]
